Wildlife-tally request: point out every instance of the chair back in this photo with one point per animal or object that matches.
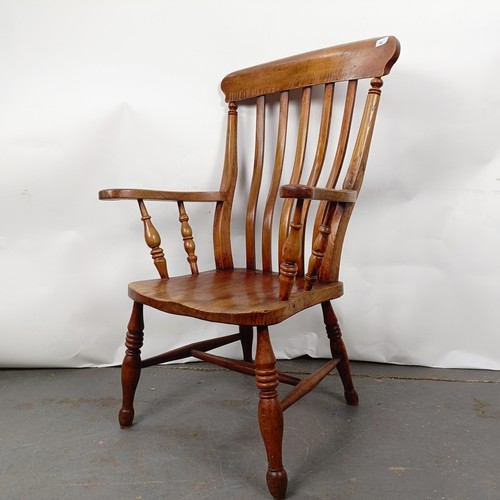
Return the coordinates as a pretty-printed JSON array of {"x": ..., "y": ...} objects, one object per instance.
[{"x": 274, "y": 89}]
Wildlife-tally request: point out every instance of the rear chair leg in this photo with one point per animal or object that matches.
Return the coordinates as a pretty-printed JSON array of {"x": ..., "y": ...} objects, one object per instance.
[
  {"x": 246, "y": 333},
  {"x": 131, "y": 367},
  {"x": 270, "y": 413},
  {"x": 338, "y": 349}
]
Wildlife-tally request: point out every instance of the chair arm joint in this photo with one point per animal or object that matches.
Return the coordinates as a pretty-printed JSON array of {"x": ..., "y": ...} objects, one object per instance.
[{"x": 301, "y": 191}]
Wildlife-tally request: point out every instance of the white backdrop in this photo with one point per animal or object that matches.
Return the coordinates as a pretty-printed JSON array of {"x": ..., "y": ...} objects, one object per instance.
[{"x": 97, "y": 94}]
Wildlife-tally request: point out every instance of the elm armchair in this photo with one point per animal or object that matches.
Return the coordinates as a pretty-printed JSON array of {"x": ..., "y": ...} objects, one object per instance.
[{"x": 305, "y": 273}]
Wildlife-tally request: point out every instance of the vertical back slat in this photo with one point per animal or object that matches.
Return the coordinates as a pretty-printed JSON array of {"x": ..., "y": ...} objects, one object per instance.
[
  {"x": 324, "y": 134},
  {"x": 345, "y": 130},
  {"x": 319, "y": 158},
  {"x": 298, "y": 166},
  {"x": 267, "y": 221},
  {"x": 340, "y": 153},
  {"x": 256, "y": 181}
]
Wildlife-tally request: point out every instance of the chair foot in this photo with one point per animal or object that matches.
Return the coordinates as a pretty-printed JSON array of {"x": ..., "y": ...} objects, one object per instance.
[
  {"x": 337, "y": 348},
  {"x": 126, "y": 417},
  {"x": 352, "y": 398},
  {"x": 277, "y": 482},
  {"x": 131, "y": 367},
  {"x": 270, "y": 413}
]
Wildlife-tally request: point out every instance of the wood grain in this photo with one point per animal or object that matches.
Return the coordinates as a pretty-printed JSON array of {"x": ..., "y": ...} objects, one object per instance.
[
  {"x": 351, "y": 61},
  {"x": 236, "y": 296}
]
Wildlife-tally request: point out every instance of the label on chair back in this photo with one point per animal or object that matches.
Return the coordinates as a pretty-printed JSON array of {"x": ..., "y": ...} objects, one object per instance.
[{"x": 381, "y": 41}]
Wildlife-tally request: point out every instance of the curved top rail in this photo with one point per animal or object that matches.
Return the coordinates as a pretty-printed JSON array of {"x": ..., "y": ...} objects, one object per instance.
[{"x": 364, "y": 59}]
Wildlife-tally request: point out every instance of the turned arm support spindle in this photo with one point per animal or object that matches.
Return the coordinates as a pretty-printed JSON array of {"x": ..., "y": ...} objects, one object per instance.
[
  {"x": 153, "y": 241},
  {"x": 187, "y": 236},
  {"x": 335, "y": 198},
  {"x": 319, "y": 246},
  {"x": 291, "y": 253}
]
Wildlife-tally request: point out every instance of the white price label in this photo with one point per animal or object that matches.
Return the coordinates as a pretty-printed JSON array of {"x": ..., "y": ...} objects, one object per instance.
[{"x": 381, "y": 41}]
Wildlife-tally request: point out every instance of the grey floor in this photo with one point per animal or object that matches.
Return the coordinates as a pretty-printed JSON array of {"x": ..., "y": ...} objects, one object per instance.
[{"x": 418, "y": 434}]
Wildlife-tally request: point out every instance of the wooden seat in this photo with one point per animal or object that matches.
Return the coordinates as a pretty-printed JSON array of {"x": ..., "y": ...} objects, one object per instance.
[
  {"x": 233, "y": 296},
  {"x": 274, "y": 285}
]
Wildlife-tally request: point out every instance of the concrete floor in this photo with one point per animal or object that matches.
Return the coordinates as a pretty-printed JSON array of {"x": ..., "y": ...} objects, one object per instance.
[{"x": 418, "y": 434}]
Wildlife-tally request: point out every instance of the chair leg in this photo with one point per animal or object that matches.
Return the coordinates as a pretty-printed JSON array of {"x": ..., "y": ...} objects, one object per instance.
[
  {"x": 246, "y": 333},
  {"x": 131, "y": 367},
  {"x": 337, "y": 348},
  {"x": 270, "y": 413}
]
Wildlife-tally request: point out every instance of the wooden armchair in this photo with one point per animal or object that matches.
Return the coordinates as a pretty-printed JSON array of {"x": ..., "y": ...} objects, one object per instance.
[{"x": 256, "y": 296}]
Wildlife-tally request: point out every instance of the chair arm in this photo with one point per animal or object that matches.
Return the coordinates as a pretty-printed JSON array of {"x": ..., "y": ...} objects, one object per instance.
[
  {"x": 301, "y": 191},
  {"x": 151, "y": 235},
  {"x": 149, "y": 194}
]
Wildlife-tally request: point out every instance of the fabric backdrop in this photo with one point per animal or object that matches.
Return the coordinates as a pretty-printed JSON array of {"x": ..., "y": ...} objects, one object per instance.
[{"x": 97, "y": 94}]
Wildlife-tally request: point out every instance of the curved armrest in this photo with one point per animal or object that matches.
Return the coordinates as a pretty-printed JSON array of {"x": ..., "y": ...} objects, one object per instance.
[
  {"x": 313, "y": 193},
  {"x": 149, "y": 194}
]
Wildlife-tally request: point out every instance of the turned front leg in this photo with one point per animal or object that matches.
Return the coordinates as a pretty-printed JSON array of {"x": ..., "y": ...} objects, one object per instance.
[
  {"x": 270, "y": 413},
  {"x": 131, "y": 366},
  {"x": 337, "y": 348}
]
